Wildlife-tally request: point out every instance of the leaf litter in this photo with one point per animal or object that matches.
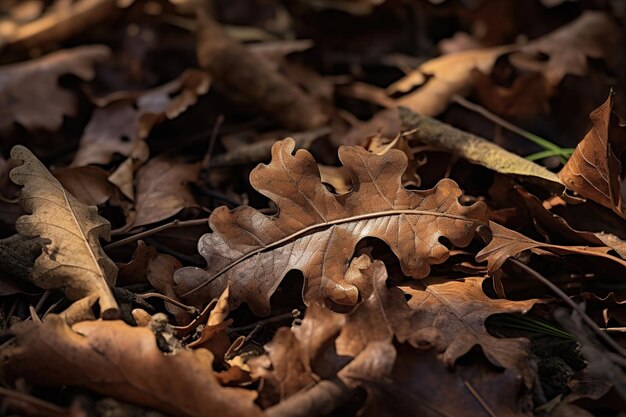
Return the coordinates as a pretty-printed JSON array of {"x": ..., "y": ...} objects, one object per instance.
[{"x": 308, "y": 220}]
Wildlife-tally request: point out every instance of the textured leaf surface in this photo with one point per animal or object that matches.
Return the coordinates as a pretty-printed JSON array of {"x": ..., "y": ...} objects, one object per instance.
[
  {"x": 316, "y": 232},
  {"x": 72, "y": 256},
  {"x": 124, "y": 362}
]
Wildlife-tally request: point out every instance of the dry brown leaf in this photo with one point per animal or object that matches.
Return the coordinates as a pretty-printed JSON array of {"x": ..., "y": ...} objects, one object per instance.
[
  {"x": 421, "y": 386},
  {"x": 594, "y": 168},
  {"x": 238, "y": 70},
  {"x": 89, "y": 184},
  {"x": 476, "y": 149},
  {"x": 439, "y": 79},
  {"x": 448, "y": 315},
  {"x": 163, "y": 190},
  {"x": 127, "y": 118},
  {"x": 122, "y": 362},
  {"x": 72, "y": 256},
  {"x": 316, "y": 231},
  {"x": 30, "y": 93},
  {"x": 592, "y": 35},
  {"x": 506, "y": 243}
]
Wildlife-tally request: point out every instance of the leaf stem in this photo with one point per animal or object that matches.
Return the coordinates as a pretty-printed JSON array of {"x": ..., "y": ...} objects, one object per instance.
[{"x": 176, "y": 223}]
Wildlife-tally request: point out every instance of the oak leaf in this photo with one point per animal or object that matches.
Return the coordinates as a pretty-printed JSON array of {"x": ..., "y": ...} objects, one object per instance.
[
  {"x": 123, "y": 362},
  {"x": 316, "y": 231},
  {"x": 594, "y": 168},
  {"x": 506, "y": 243},
  {"x": 72, "y": 256},
  {"x": 448, "y": 315},
  {"x": 30, "y": 93}
]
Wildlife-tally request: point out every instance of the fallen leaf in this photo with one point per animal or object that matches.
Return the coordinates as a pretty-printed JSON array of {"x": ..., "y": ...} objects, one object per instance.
[
  {"x": 72, "y": 256},
  {"x": 89, "y": 184},
  {"x": 163, "y": 190},
  {"x": 506, "y": 243},
  {"x": 122, "y": 362},
  {"x": 30, "y": 93},
  {"x": 237, "y": 69},
  {"x": 448, "y": 315},
  {"x": 475, "y": 149},
  {"x": 316, "y": 232},
  {"x": 126, "y": 118},
  {"x": 420, "y": 385},
  {"x": 594, "y": 169},
  {"x": 439, "y": 79},
  {"x": 592, "y": 35}
]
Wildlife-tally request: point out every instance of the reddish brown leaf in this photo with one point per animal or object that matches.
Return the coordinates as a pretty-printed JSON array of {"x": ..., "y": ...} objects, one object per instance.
[
  {"x": 88, "y": 184},
  {"x": 30, "y": 93},
  {"x": 316, "y": 232},
  {"x": 594, "y": 169},
  {"x": 123, "y": 362}
]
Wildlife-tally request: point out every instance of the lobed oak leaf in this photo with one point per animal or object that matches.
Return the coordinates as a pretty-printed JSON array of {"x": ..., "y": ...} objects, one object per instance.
[
  {"x": 448, "y": 315},
  {"x": 124, "y": 362},
  {"x": 594, "y": 169},
  {"x": 30, "y": 93},
  {"x": 316, "y": 231},
  {"x": 72, "y": 256}
]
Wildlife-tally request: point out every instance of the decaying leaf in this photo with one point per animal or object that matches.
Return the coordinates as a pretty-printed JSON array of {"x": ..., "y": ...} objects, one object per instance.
[
  {"x": 126, "y": 119},
  {"x": 123, "y": 362},
  {"x": 592, "y": 35},
  {"x": 447, "y": 315},
  {"x": 163, "y": 190},
  {"x": 72, "y": 256},
  {"x": 475, "y": 149},
  {"x": 237, "y": 69},
  {"x": 594, "y": 169},
  {"x": 506, "y": 243},
  {"x": 316, "y": 232},
  {"x": 29, "y": 91}
]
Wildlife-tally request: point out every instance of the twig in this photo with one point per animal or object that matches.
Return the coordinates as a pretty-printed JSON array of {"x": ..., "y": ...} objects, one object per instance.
[
  {"x": 294, "y": 314},
  {"x": 321, "y": 400},
  {"x": 480, "y": 399},
  {"x": 42, "y": 300},
  {"x": 190, "y": 309},
  {"x": 206, "y": 161},
  {"x": 19, "y": 396},
  {"x": 588, "y": 321},
  {"x": 176, "y": 223}
]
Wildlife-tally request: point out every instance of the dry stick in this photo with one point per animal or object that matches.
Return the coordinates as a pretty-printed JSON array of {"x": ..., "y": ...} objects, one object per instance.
[
  {"x": 190, "y": 309},
  {"x": 602, "y": 335},
  {"x": 324, "y": 225},
  {"x": 294, "y": 314},
  {"x": 176, "y": 223},
  {"x": 206, "y": 161},
  {"x": 480, "y": 399},
  {"x": 321, "y": 400}
]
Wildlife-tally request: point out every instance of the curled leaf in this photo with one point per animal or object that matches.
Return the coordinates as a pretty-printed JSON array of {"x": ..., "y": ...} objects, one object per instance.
[{"x": 72, "y": 256}]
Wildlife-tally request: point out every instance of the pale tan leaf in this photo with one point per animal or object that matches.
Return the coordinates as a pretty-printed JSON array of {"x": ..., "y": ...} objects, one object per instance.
[
  {"x": 72, "y": 256},
  {"x": 123, "y": 362},
  {"x": 316, "y": 231}
]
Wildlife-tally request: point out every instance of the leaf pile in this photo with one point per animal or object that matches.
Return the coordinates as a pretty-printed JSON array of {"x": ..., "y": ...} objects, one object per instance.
[{"x": 329, "y": 208}]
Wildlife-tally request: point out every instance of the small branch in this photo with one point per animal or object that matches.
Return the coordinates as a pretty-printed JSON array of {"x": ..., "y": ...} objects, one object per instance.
[
  {"x": 479, "y": 398},
  {"x": 294, "y": 314},
  {"x": 206, "y": 161},
  {"x": 588, "y": 321},
  {"x": 190, "y": 309},
  {"x": 176, "y": 223},
  {"x": 321, "y": 400}
]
